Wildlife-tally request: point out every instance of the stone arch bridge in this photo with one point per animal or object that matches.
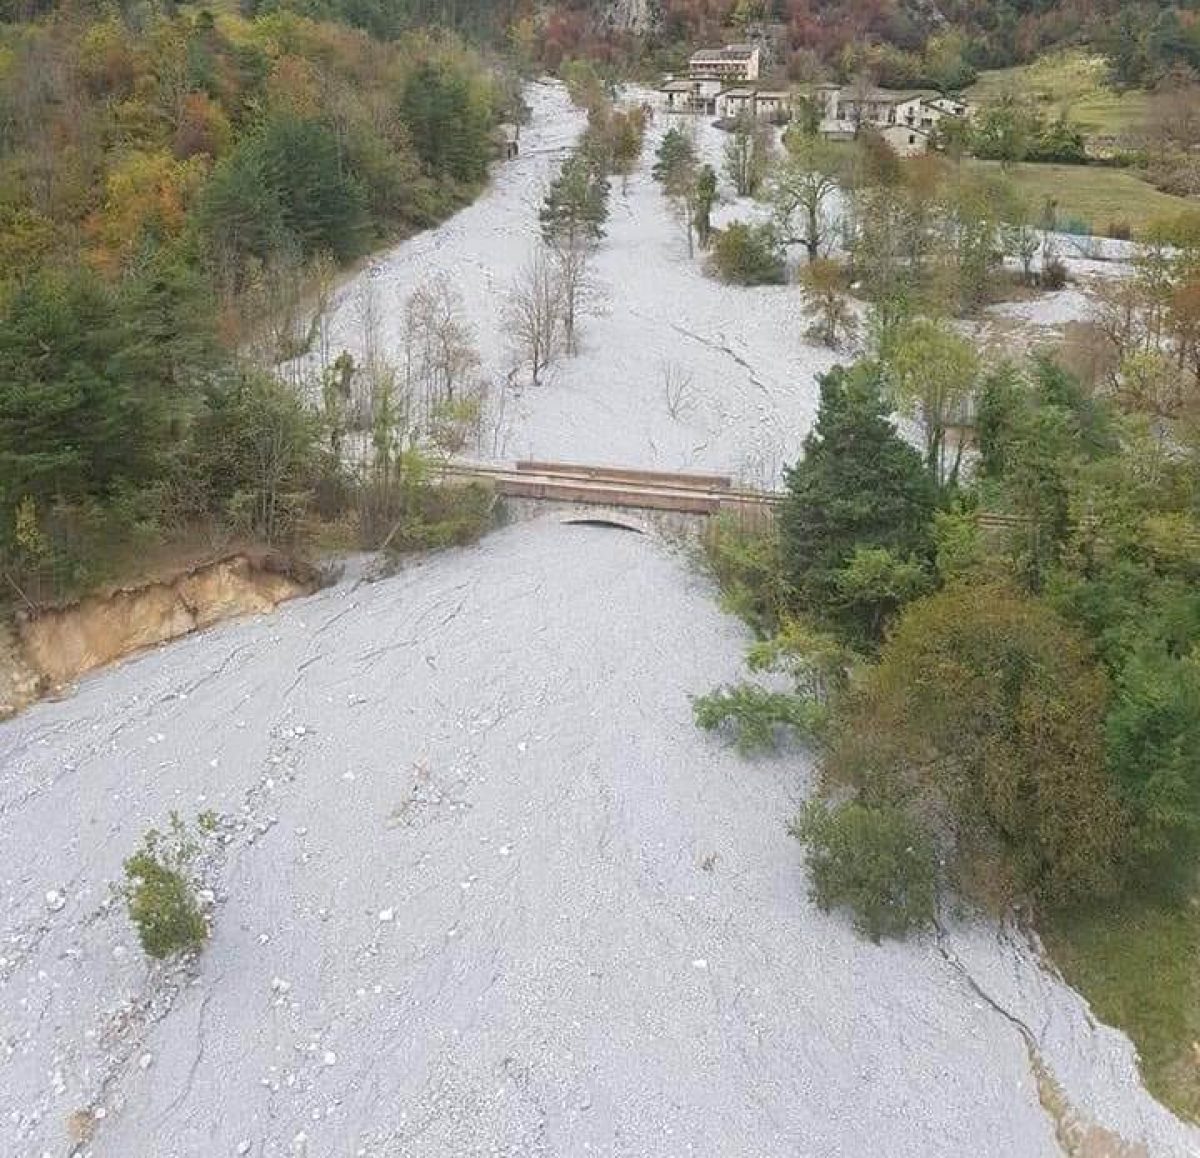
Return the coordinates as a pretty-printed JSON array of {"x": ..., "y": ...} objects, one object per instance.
[{"x": 668, "y": 503}]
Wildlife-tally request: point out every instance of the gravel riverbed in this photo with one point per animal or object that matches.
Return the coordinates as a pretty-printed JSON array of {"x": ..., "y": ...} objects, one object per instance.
[{"x": 485, "y": 889}]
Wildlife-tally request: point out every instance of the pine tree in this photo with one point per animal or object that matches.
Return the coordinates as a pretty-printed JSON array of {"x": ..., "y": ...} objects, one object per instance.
[
  {"x": 859, "y": 485},
  {"x": 576, "y": 206}
]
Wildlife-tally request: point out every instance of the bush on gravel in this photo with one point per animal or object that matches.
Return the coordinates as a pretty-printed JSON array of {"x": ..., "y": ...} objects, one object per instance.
[
  {"x": 161, "y": 895},
  {"x": 871, "y": 858},
  {"x": 748, "y": 255},
  {"x": 756, "y": 715}
]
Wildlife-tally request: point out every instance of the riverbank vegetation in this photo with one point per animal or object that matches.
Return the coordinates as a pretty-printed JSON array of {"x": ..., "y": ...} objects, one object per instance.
[
  {"x": 177, "y": 191},
  {"x": 995, "y": 649}
]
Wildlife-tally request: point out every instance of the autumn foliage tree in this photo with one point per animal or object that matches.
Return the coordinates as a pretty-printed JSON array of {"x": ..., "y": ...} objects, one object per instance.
[
  {"x": 984, "y": 720},
  {"x": 171, "y": 189}
]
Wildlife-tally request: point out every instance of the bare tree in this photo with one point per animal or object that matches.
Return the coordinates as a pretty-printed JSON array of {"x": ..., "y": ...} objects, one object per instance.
[
  {"x": 1020, "y": 233},
  {"x": 748, "y": 154},
  {"x": 534, "y": 313},
  {"x": 572, "y": 266},
  {"x": 440, "y": 357},
  {"x": 375, "y": 384},
  {"x": 802, "y": 190},
  {"x": 677, "y": 383},
  {"x": 295, "y": 294},
  {"x": 1173, "y": 117}
]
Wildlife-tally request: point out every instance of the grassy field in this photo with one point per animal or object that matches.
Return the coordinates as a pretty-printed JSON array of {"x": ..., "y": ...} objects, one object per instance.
[
  {"x": 1140, "y": 970},
  {"x": 1073, "y": 82},
  {"x": 1093, "y": 194}
]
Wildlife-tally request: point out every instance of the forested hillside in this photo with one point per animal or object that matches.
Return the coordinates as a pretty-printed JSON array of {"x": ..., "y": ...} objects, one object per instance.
[
  {"x": 936, "y": 42},
  {"x": 171, "y": 183}
]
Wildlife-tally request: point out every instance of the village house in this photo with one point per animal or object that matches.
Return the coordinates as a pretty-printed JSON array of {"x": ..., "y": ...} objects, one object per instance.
[
  {"x": 905, "y": 120},
  {"x": 711, "y": 72},
  {"x": 906, "y": 140},
  {"x": 773, "y": 105},
  {"x": 764, "y": 104},
  {"x": 735, "y": 102},
  {"x": 679, "y": 95},
  {"x": 728, "y": 65}
]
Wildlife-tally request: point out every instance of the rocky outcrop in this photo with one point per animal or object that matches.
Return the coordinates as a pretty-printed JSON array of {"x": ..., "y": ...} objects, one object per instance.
[{"x": 637, "y": 16}]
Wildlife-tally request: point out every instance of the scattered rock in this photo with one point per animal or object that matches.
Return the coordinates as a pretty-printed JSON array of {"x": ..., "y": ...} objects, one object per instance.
[{"x": 80, "y": 1128}]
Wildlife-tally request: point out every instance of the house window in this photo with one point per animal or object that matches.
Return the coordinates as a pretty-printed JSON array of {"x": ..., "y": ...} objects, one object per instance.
[{"x": 912, "y": 140}]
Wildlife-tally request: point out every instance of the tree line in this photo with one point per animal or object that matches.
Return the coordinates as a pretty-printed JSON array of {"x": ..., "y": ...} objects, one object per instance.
[
  {"x": 902, "y": 46},
  {"x": 555, "y": 290},
  {"x": 924, "y": 230}
]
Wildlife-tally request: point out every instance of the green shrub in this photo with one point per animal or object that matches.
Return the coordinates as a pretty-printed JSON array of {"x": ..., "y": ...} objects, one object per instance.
[
  {"x": 160, "y": 895},
  {"x": 747, "y": 255},
  {"x": 756, "y": 714},
  {"x": 872, "y": 859},
  {"x": 742, "y": 555},
  {"x": 447, "y": 515}
]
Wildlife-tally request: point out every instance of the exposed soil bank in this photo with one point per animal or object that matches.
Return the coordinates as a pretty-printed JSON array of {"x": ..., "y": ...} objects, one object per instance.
[{"x": 49, "y": 647}]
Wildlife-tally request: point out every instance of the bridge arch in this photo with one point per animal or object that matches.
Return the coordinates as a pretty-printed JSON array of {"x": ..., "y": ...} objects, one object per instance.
[{"x": 616, "y": 519}]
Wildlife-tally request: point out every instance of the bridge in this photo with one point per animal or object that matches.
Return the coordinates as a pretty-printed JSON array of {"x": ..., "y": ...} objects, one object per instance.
[
  {"x": 676, "y": 502},
  {"x": 641, "y": 500}
]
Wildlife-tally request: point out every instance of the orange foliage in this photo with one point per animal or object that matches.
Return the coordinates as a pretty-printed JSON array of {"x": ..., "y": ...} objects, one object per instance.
[
  {"x": 203, "y": 128},
  {"x": 294, "y": 86},
  {"x": 145, "y": 194}
]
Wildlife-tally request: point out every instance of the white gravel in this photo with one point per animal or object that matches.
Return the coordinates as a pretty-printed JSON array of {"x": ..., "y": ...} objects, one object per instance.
[
  {"x": 753, "y": 392},
  {"x": 496, "y": 748}
]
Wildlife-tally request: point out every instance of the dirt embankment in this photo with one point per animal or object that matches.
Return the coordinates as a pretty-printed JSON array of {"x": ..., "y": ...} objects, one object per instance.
[{"x": 44, "y": 649}]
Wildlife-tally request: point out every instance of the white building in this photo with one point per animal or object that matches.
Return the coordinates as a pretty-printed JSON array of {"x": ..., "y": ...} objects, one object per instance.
[
  {"x": 727, "y": 66},
  {"x": 844, "y": 109},
  {"x": 906, "y": 140},
  {"x": 720, "y": 83},
  {"x": 678, "y": 96},
  {"x": 773, "y": 105},
  {"x": 732, "y": 103}
]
